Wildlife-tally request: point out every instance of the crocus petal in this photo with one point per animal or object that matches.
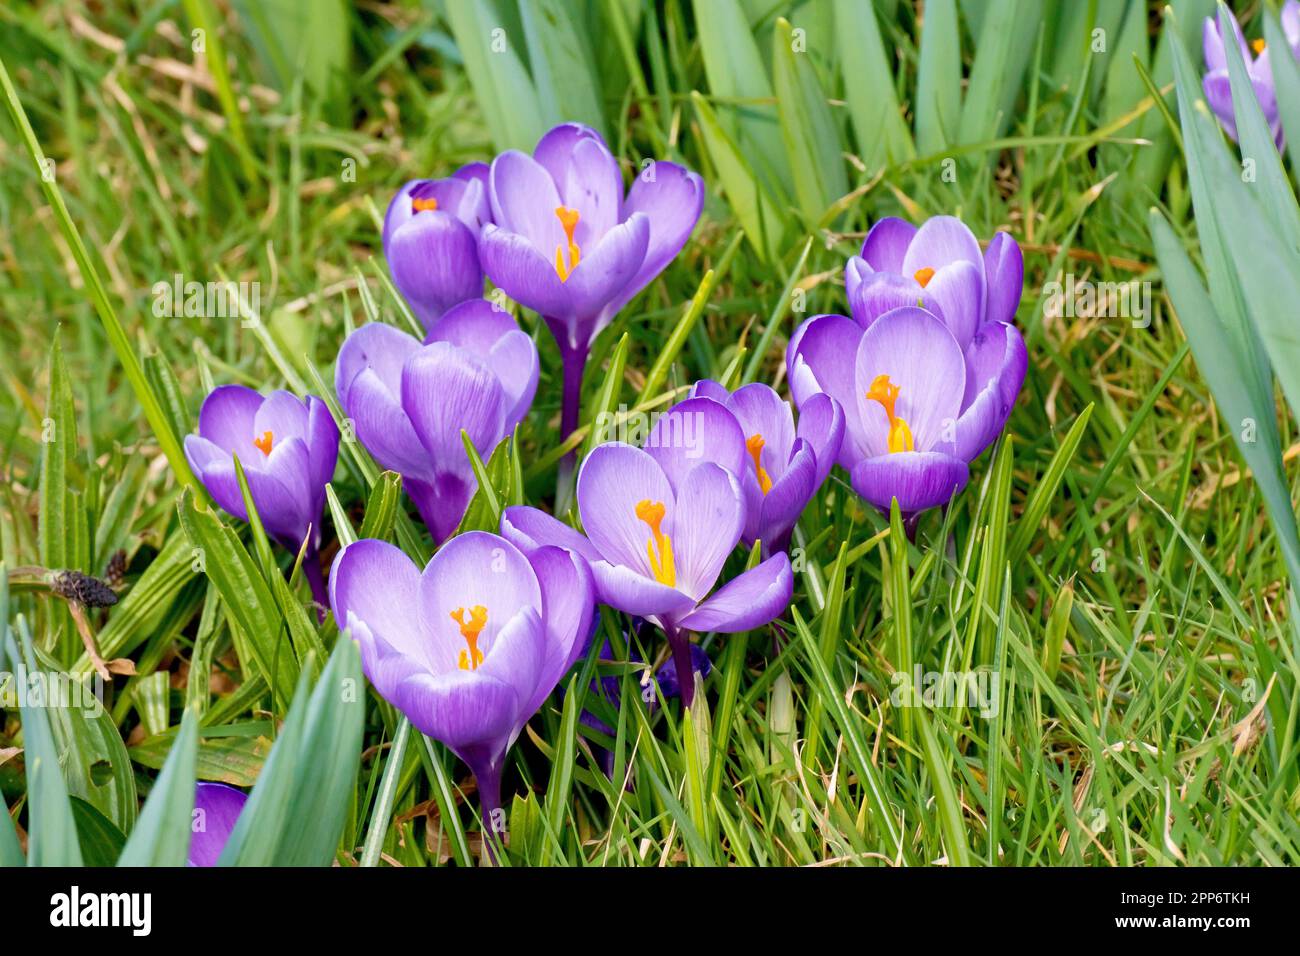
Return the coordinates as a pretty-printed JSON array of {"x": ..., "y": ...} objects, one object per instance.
[
  {"x": 523, "y": 272},
  {"x": 529, "y": 529},
  {"x": 283, "y": 414},
  {"x": 465, "y": 710},
  {"x": 918, "y": 479},
  {"x": 1004, "y": 273},
  {"x": 1291, "y": 25},
  {"x": 446, "y": 390},
  {"x": 380, "y": 585},
  {"x": 475, "y": 568},
  {"x": 883, "y": 292},
  {"x": 706, "y": 525},
  {"x": 473, "y": 208},
  {"x": 957, "y": 289},
  {"x": 707, "y": 388},
  {"x": 1218, "y": 93},
  {"x": 442, "y": 499},
  {"x": 695, "y": 431},
  {"x": 280, "y": 484},
  {"x": 761, "y": 411},
  {"x": 516, "y": 657},
  {"x": 856, "y": 272},
  {"x": 1212, "y": 45},
  {"x": 568, "y": 603},
  {"x": 887, "y": 243},
  {"x": 554, "y": 151},
  {"x": 592, "y": 184},
  {"x": 216, "y": 810},
  {"x": 939, "y": 241},
  {"x": 383, "y": 427},
  {"x": 785, "y": 501},
  {"x": 996, "y": 361},
  {"x": 434, "y": 262},
  {"x": 613, "y": 480},
  {"x": 492, "y": 335},
  {"x": 748, "y": 601},
  {"x": 604, "y": 271},
  {"x": 821, "y": 424},
  {"x": 634, "y": 593},
  {"x": 323, "y": 442},
  {"x": 923, "y": 360},
  {"x": 216, "y": 469},
  {"x": 227, "y": 419},
  {"x": 524, "y": 200},
  {"x": 672, "y": 198},
  {"x": 821, "y": 358},
  {"x": 378, "y": 347}
]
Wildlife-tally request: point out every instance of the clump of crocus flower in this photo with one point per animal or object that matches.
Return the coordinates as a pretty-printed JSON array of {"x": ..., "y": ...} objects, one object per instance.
[
  {"x": 786, "y": 465},
  {"x": 287, "y": 448},
  {"x": 924, "y": 389},
  {"x": 216, "y": 811},
  {"x": 409, "y": 402},
  {"x": 660, "y": 523},
  {"x": 1217, "y": 86},
  {"x": 565, "y": 241},
  {"x": 471, "y": 647},
  {"x": 431, "y": 233}
]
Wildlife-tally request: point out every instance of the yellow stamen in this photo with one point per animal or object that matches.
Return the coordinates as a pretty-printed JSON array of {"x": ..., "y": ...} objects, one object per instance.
[
  {"x": 423, "y": 205},
  {"x": 1257, "y": 46},
  {"x": 263, "y": 442},
  {"x": 886, "y": 393},
  {"x": 923, "y": 276},
  {"x": 755, "y": 445},
  {"x": 471, "y": 659},
  {"x": 569, "y": 220},
  {"x": 665, "y": 571}
]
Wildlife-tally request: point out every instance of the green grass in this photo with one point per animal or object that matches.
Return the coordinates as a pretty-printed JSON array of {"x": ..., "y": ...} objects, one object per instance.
[{"x": 1130, "y": 730}]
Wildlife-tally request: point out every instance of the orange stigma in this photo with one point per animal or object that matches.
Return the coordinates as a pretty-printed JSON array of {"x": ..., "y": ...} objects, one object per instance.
[
  {"x": 423, "y": 205},
  {"x": 471, "y": 658},
  {"x": 263, "y": 442},
  {"x": 923, "y": 276},
  {"x": 886, "y": 393},
  {"x": 569, "y": 220},
  {"x": 665, "y": 571},
  {"x": 755, "y": 445},
  {"x": 1257, "y": 46}
]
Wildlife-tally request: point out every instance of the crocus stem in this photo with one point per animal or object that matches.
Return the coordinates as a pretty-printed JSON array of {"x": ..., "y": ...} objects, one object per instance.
[
  {"x": 680, "y": 642},
  {"x": 574, "y": 358},
  {"x": 488, "y": 780},
  {"x": 311, "y": 568},
  {"x": 909, "y": 525}
]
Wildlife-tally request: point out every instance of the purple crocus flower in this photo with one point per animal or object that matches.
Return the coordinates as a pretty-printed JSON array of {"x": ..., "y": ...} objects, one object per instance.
[
  {"x": 566, "y": 243},
  {"x": 431, "y": 233},
  {"x": 288, "y": 448},
  {"x": 660, "y": 523},
  {"x": 470, "y": 648},
  {"x": 938, "y": 267},
  {"x": 409, "y": 402},
  {"x": 1218, "y": 88},
  {"x": 786, "y": 464},
  {"x": 918, "y": 406},
  {"x": 216, "y": 810}
]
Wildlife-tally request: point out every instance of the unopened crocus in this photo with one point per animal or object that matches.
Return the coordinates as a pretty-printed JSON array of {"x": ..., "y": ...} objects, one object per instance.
[
  {"x": 431, "y": 233},
  {"x": 287, "y": 447},
  {"x": 471, "y": 647},
  {"x": 565, "y": 242},
  {"x": 216, "y": 810},
  {"x": 1218, "y": 87},
  {"x": 409, "y": 402},
  {"x": 918, "y": 406},
  {"x": 786, "y": 464},
  {"x": 938, "y": 267},
  {"x": 660, "y": 523}
]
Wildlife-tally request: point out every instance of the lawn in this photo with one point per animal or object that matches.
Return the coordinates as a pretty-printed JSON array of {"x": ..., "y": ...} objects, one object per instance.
[{"x": 1086, "y": 656}]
